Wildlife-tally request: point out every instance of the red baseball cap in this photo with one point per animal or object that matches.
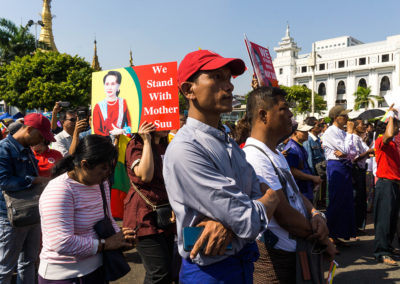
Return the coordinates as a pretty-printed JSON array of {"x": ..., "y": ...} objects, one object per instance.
[
  {"x": 207, "y": 60},
  {"x": 41, "y": 123}
]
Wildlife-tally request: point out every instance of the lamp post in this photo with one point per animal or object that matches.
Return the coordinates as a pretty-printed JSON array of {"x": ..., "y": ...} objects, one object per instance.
[
  {"x": 312, "y": 62},
  {"x": 31, "y": 23}
]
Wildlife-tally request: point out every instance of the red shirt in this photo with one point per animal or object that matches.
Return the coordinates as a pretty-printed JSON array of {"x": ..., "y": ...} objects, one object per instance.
[
  {"x": 137, "y": 213},
  {"x": 47, "y": 160},
  {"x": 387, "y": 159},
  {"x": 102, "y": 127}
]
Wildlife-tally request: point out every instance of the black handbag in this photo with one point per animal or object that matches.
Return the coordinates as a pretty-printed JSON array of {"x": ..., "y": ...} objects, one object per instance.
[
  {"x": 163, "y": 212},
  {"x": 23, "y": 205},
  {"x": 114, "y": 263}
]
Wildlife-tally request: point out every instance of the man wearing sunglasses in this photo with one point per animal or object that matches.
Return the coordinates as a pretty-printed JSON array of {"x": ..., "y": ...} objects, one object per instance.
[
  {"x": 340, "y": 150},
  {"x": 68, "y": 139}
]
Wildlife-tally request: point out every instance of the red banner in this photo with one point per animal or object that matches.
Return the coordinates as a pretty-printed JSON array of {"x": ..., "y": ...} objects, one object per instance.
[{"x": 262, "y": 64}]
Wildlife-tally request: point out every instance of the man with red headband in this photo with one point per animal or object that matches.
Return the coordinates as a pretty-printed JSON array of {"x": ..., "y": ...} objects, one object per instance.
[{"x": 208, "y": 180}]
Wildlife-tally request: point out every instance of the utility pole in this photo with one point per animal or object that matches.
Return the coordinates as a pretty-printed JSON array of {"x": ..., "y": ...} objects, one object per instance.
[{"x": 312, "y": 62}]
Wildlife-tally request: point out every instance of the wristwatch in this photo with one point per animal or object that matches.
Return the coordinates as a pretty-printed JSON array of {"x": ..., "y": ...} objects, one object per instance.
[
  {"x": 103, "y": 244},
  {"x": 316, "y": 212}
]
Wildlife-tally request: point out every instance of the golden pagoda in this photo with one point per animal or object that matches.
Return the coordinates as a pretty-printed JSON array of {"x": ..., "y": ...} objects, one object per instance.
[
  {"x": 130, "y": 58},
  {"x": 95, "y": 61},
  {"x": 46, "y": 32}
]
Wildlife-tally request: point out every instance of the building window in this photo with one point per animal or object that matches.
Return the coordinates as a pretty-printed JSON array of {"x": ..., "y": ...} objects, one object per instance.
[
  {"x": 341, "y": 90},
  {"x": 384, "y": 87},
  {"x": 304, "y": 69},
  {"x": 385, "y": 58},
  {"x": 341, "y": 64},
  {"x": 322, "y": 66},
  {"x": 322, "y": 89},
  {"x": 362, "y": 83},
  {"x": 280, "y": 71},
  {"x": 362, "y": 61}
]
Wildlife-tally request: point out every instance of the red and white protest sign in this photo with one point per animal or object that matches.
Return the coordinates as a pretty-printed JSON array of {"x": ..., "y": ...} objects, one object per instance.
[{"x": 262, "y": 64}]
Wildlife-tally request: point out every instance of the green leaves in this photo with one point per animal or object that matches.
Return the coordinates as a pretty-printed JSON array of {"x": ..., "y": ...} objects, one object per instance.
[
  {"x": 39, "y": 80},
  {"x": 301, "y": 96},
  {"x": 364, "y": 98},
  {"x": 14, "y": 41}
]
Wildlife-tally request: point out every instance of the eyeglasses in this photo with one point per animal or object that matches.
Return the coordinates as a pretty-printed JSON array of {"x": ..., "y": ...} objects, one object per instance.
[{"x": 71, "y": 119}]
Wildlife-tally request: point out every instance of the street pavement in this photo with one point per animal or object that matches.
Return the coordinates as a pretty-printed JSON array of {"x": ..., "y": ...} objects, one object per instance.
[{"x": 356, "y": 264}]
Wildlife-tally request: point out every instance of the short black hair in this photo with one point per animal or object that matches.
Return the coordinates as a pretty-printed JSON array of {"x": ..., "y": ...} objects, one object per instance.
[
  {"x": 310, "y": 121},
  {"x": 63, "y": 114},
  {"x": 263, "y": 97}
]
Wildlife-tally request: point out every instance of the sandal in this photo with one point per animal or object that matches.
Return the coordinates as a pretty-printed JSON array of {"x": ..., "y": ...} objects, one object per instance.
[{"x": 385, "y": 259}]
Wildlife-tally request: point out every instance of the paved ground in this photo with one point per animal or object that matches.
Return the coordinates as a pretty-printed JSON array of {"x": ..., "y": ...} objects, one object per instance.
[{"x": 357, "y": 265}]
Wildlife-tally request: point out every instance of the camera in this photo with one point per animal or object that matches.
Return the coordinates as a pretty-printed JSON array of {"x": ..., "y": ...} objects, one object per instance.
[{"x": 64, "y": 104}]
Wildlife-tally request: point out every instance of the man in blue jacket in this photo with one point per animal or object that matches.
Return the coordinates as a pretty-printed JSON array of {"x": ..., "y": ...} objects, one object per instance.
[{"x": 19, "y": 246}]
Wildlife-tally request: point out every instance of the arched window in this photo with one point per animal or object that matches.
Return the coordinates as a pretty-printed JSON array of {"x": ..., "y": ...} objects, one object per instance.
[
  {"x": 362, "y": 83},
  {"x": 385, "y": 86},
  {"x": 341, "y": 90},
  {"x": 340, "y": 94},
  {"x": 322, "y": 89}
]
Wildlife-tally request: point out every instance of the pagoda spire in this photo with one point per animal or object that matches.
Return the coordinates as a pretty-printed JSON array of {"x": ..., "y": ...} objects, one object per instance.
[
  {"x": 46, "y": 32},
  {"x": 130, "y": 58},
  {"x": 95, "y": 62},
  {"x": 287, "y": 30}
]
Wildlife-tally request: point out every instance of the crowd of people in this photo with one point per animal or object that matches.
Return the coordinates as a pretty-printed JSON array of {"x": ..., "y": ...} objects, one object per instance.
[{"x": 255, "y": 189}]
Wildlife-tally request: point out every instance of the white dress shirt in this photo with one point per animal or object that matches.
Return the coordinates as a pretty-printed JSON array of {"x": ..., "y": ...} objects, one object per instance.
[
  {"x": 334, "y": 139},
  {"x": 361, "y": 147},
  {"x": 63, "y": 142}
]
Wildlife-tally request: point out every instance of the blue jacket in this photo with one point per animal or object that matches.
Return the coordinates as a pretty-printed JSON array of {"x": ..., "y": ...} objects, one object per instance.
[
  {"x": 297, "y": 158},
  {"x": 315, "y": 152},
  {"x": 18, "y": 168}
]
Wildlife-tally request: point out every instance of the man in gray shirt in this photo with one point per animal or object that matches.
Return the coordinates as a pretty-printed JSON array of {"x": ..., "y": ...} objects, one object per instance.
[{"x": 208, "y": 180}]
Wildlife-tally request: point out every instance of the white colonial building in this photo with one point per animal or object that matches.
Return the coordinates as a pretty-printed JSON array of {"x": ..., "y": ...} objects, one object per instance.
[{"x": 342, "y": 64}]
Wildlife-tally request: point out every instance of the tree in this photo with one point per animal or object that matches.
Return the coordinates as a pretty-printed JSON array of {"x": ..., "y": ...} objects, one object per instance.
[
  {"x": 301, "y": 96},
  {"x": 364, "y": 98},
  {"x": 14, "y": 41},
  {"x": 183, "y": 103},
  {"x": 38, "y": 81}
]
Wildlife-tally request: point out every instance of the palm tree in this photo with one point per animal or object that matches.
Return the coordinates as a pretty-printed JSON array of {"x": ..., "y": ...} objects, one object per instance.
[
  {"x": 14, "y": 41},
  {"x": 364, "y": 98}
]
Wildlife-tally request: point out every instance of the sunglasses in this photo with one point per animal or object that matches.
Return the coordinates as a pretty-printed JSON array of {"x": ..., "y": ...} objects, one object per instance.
[{"x": 72, "y": 119}]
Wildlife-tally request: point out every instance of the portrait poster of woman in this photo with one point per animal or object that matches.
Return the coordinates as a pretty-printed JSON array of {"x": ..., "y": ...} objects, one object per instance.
[{"x": 115, "y": 102}]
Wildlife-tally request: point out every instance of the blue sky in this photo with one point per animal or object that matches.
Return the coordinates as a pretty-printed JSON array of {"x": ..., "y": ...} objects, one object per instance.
[{"x": 162, "y": 31}]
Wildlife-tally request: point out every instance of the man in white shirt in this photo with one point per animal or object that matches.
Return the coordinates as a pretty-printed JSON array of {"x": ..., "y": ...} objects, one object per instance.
[
  {"x": 339, "y": 152},
  {"x": 68, "y": 139},
  {"x": 295, "y": 217}
]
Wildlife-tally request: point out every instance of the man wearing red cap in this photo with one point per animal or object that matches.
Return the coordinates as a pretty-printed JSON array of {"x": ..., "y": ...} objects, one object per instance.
[
  {"x": 19, "y": 246},
  {"x": 208, "y": 180}
]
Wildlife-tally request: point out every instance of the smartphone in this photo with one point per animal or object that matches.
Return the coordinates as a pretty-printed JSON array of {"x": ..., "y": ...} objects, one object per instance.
[
  {"x": 82, "y": 115},
  {"x": 270, "y": 239},
  {"x": 64, "y": 104},
  {"x": 191, "y": 235}
]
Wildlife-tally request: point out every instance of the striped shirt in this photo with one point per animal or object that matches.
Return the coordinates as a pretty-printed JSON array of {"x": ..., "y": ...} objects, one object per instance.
[{"x": 68, "y": 211}]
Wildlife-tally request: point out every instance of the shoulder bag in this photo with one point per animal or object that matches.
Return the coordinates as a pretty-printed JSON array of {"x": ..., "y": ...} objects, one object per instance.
[
  {"x": 163, "y": 212},
  {"x": 23, "y": 205},
  {"x": 308, "y": 260},
  {"x": 114, "y": 263}
]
